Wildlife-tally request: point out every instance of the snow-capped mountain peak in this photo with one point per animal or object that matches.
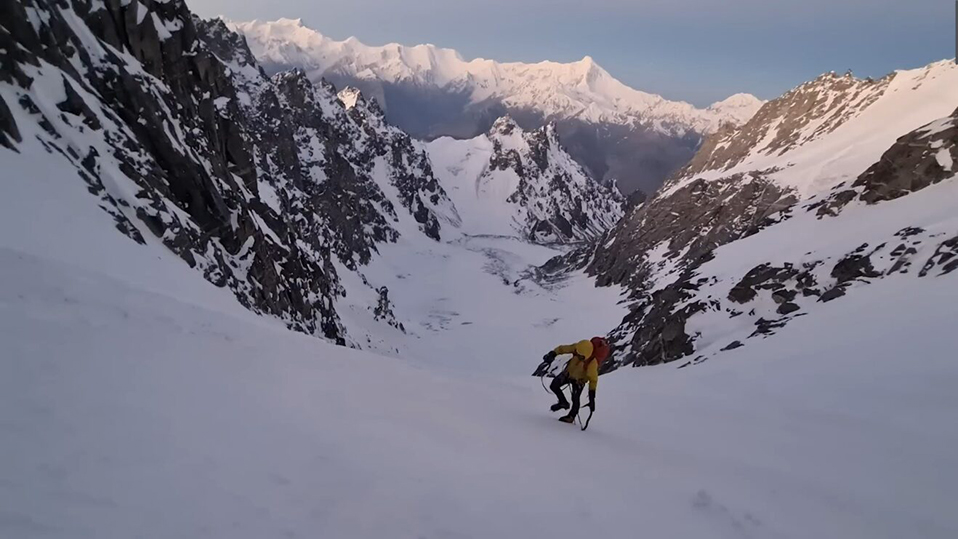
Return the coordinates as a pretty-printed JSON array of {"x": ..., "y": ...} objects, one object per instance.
[
  {"x": 838, "y": 184},
  {"x": 350, "y": 97},
  {"x": 288, "y": 42},
  {"x": 739, "y": 108},
  {"x": 516, "y": 182},
  {"x": 432, "y": 92},
  {"x": 581, "y": 89}
]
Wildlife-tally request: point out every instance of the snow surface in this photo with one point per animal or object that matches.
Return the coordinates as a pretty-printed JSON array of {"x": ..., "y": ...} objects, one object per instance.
[
  {"x": 461, "y": 165},
  {"x": 137, "y": 400},
  {"x": 130, "y": 413},
  {"x": 581, "y": 90},
  {"x": 944, "y": 159}
]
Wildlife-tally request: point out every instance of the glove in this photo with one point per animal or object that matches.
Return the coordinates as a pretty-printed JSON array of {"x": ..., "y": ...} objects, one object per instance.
[
  {"x": 550, "y": 357},
  {"x": 591, "y": 400}
]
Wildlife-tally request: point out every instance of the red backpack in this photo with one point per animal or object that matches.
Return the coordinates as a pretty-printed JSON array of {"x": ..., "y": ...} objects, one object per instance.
[{"x": 600, "y": 350}]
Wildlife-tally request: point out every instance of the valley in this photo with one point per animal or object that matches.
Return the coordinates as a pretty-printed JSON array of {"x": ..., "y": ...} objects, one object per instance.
[{"x": 262, "y": 283}]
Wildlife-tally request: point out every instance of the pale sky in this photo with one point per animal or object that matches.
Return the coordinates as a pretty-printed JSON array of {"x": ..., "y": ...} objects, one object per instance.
[{"x": 695, "y": 50}]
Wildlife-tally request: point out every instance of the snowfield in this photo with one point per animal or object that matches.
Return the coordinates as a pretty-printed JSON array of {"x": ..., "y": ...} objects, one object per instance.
[
  {"x": 136, "y": 400},
  {"x": 127, "y": 413}
]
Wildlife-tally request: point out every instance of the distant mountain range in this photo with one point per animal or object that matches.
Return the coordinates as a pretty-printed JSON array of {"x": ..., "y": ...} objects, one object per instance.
[{"x": 616, "y": 132}]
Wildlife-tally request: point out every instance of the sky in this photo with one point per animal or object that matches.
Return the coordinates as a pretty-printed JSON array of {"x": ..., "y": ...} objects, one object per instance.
[{"x": 699, "y": 51}]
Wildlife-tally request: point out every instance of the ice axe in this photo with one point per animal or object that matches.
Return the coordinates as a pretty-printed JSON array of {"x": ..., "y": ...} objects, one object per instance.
[{"x": 586, "y": 424}]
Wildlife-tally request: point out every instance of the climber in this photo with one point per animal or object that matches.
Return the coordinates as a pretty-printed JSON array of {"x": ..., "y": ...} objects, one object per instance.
[{"x": 582, "y": 368}]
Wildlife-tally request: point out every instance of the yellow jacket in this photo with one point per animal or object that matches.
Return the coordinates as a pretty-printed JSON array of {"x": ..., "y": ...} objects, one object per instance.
[{"x": 577, "y": 369}]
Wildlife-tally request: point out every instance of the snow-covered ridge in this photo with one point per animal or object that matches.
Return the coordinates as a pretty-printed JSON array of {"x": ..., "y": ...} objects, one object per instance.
[
  {"x": 828, "y": 130},
  {"x": 838, "y": 185},
  {"x": 513, "y": 182},
  {"x": 282, "y": 191},
  {"x": 581, "y": 90}
]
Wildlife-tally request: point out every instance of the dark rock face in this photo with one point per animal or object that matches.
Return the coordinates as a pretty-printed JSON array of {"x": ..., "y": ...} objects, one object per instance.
[
  {"x": 409, "y": 167},
  {"x": 677, "y": 230},
  {"x": 788, "y": 308},
  {"x": 693, "y": 220},
  {"x": 559, "y": 202},
  {"x": 854, "y": 266},
  {"x": 9, "y": 134},
  {"x": 659, "y": 250},
  {"x": 733, "y": 345},
  {"x": 917, "y": 160},
  {"x": 764, "y": 277},
  {"x": 634, "y": 156},
  {"x": 259, "y": 184},
  {"x": 348, "y": 199},
  {"x": 833, "y": 293},
  {"x": 384, "y": 310},
  {"x": 945, "y": 258}
]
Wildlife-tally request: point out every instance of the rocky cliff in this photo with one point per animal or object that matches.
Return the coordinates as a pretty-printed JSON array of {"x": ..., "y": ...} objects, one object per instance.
[
  {"x": 837, "y": 184},
  {"x": 510, "y": 181},
  {"x": 259, "y": 183}
]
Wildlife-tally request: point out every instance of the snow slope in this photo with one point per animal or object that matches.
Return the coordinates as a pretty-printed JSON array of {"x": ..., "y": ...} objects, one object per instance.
[
  {"x": 137, "y": 399},
  {"x": 129, "y": 412},
  {"x": 581, "y": 90},
  {"x": 901, "y": 241},
  {"x": 829, "y": 130}
]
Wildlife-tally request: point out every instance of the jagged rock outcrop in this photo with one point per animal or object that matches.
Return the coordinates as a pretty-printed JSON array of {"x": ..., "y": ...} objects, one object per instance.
[
  {"x": 190, "y": 164},
  {"x": 613, "y": 131},
  {"x": 516, "y": 182},
  {"x": 757, "y": 230},
  {"x": 408, "y": 165},
  {"x": 921, "y": 158},
  {"x": 561, "y": 203},
  {"x": 261, "y": 184},
  {"x": 691, "y": 222}
]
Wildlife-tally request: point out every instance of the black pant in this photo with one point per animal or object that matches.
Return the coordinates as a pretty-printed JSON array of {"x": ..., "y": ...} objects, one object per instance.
[{"x": 561, "y": 381}]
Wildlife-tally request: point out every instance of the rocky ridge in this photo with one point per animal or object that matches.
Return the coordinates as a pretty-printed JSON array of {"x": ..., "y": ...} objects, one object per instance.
[
  {"x": 743, "y": 240},
  {"x": 561, "y": 203},
  {"x": 515, "y": 182},
  {"x": 278, "y": 189},
  {"x": 262, "y": 184}
]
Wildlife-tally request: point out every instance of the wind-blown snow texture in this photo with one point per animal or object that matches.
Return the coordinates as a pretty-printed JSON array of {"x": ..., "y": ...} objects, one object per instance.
[{"x": 617, "y": 132}]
